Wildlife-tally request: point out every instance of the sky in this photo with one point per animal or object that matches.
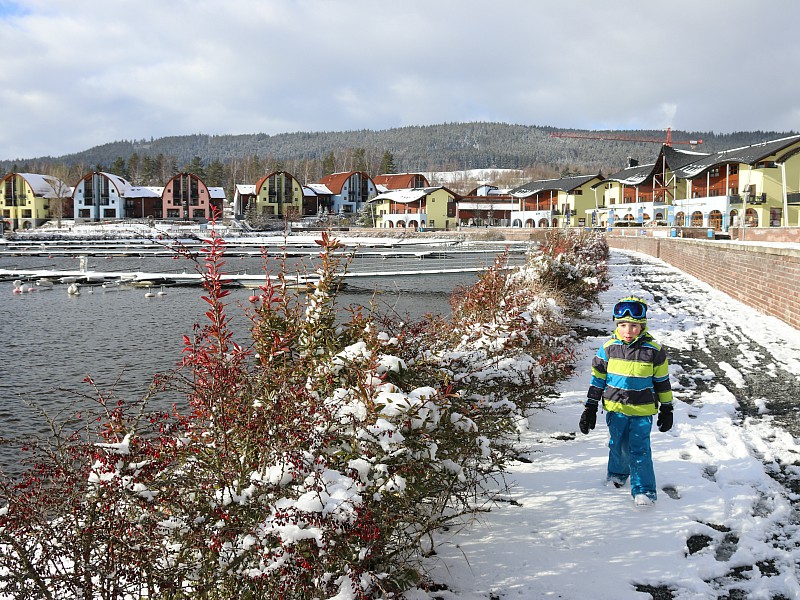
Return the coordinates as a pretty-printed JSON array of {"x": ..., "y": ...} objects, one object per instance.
[
  {"x": 79, "y": 73},
  {"x": 561, "y": 533}
]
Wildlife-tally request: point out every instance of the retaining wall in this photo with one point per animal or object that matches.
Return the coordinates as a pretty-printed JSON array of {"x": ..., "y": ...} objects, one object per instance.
[{"x": 764, "y": 277}]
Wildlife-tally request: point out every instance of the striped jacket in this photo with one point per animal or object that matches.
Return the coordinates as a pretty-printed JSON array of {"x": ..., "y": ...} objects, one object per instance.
[{"x": 632, "y": 379}]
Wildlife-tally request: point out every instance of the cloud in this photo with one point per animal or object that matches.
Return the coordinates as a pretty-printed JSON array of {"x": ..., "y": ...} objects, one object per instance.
[{"x": 78, "y": 73}]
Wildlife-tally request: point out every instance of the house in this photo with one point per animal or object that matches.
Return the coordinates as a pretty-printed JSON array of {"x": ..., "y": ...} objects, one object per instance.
[
  {"x": 485, "y": 206},
  {"x": 758, "y": 184},
  {"x": 554, "y": 202},
  {"x": 144, "y": 202},
  {"x": 349, "y": 191},
  {"x": 100, "y": 195},
  {"x": 417, "y": 208},
  {"x": 278, "y": 194},
  {"x": 400, "y": 181},
  {"x": 695, "y": 189},
  {"x": 28, "y": 200},
  {"x": 243, "y": 195},
  {"x": 188, "y": 198}
]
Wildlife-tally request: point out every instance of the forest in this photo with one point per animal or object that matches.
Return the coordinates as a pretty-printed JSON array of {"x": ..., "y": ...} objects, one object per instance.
[{"x": 534, "y": 152}]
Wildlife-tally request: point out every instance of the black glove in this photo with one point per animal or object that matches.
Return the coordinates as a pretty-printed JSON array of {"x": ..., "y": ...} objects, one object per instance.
[
  {"x": 588, "y": 418},
  {"x": 664, "y": 421}
]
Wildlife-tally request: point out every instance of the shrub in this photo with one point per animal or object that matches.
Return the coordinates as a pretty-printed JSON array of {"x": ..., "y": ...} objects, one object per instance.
[{"x": 315, "y": 461}]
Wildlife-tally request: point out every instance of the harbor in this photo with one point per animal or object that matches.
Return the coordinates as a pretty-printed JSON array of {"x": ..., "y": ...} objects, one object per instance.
[{"x": 248, "y": 264}]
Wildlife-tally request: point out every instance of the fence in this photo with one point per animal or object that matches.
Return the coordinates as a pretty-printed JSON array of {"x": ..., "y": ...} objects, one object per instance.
[{"x": 766, "y": 277}]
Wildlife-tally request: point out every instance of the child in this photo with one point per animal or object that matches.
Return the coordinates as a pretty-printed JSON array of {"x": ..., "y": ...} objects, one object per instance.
[{"x": 631, "y": 375}]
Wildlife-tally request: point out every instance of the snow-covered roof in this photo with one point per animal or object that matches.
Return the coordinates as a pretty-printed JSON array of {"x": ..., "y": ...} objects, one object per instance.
[
  {"x": 245, "y": 189},
  {"x": 746, "y": 155},
  {"x": 46, "y": 186},
  {"x": 562, "y": 184},
  {"x": 630, "y": 175},
  {"x": 320, "y": 189},
  {"x": 144, "y": 191},
  {"x": 402, "y": 196},
  {"x": 217, "y": 193}
]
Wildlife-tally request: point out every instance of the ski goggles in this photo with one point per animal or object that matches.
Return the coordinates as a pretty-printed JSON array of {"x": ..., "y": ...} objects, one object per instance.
[{"x": 630, "y": 308}]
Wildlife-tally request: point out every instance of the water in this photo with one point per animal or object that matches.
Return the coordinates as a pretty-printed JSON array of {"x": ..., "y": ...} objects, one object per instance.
[{"x": 122, "y": 339}]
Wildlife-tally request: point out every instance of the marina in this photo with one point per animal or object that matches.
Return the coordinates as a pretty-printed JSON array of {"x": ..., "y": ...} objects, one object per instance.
[
  {"x": 39, "y": 264},
  {"x": 128, "y": 319}
]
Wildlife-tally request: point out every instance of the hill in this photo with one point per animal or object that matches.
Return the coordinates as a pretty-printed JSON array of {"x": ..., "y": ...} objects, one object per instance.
[{"x": 449, "y": 146}]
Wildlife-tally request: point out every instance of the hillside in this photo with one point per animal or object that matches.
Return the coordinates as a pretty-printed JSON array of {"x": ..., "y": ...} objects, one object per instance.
[{"x": 449, "y": 146}]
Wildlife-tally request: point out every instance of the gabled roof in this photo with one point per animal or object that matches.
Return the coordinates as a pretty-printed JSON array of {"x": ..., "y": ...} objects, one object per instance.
[
  {"x": 320, "y": 189},
  {"x": 630, "y": 175},
  {"x": 144, "y": 191},
  {"x": 563, "y": 184},
  {"x": 747, "y": 155},
  {"x": 245, "y": 189},
  {"x": 407, "y": 195}
]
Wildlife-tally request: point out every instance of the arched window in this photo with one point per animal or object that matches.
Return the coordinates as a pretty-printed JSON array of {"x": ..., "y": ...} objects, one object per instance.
[
  {"x": 529, "y": 223},
  {"x": 680, "y": 219},
  {"x": 751, "y": 218},
  {"x": 697, "y": 219},
  {"x": 516, "y": 223},
  {"x": 715, "y": 219},
  {"x": 555, "y": 223},
  {"x": 542, "y": 222}
]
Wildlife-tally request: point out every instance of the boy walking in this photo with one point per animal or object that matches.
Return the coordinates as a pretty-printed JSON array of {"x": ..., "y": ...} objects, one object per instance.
[{"x": 630, "y": 375}]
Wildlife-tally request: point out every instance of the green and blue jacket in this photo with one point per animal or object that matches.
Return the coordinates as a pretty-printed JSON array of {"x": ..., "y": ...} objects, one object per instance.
[{"x": 632, "y": 379}]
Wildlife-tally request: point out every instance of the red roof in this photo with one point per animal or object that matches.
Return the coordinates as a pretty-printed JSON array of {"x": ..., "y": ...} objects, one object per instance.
[{"x": 400, "y": 181}]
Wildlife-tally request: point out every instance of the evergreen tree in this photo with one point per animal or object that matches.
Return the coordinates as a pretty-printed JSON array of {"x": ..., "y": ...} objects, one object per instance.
[
  {"x": 119, "y": 167},
  {"x": 215, "y": 175},
  {"x": 134, "y": 171},
  {"x": 387, "y": 164},
  {"x": 360, "y": 160},
  {"x": 196, "y": 167},
  {"x": 329, "y": 163}
]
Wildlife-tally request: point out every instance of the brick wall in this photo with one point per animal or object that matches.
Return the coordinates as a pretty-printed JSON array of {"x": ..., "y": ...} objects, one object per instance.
[{"x": 764, "y": 277}]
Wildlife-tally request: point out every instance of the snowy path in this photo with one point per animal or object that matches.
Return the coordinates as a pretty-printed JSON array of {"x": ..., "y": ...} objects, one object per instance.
[{"x": 725, "y": 525}]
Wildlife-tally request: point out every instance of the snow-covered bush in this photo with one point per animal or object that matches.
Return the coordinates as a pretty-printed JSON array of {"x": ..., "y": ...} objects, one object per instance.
[
  {"x": 315, "y": 461},
  {"x": 574, "y": 262}
]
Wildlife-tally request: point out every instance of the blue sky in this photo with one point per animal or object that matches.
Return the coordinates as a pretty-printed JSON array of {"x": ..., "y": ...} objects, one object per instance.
[{"x": 78, "y": 73}]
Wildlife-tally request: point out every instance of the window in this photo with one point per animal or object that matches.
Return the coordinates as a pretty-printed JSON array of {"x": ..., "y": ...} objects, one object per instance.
[{"x": 109, "y": 213}]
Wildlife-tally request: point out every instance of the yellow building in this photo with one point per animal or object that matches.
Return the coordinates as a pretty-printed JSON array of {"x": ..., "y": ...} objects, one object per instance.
[
  {"x": 429, "y": 208},
  {"x": 559, "y": 202},
  {"x": 278, "y": 194},
  {"x": 28, "y": 200}
]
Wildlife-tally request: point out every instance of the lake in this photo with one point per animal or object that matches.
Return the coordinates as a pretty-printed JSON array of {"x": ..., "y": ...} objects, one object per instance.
[{"x": 121, "y": 338}]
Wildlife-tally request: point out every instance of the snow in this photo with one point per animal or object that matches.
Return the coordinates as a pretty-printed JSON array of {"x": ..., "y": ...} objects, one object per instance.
[{"x": 560, "y": 532}]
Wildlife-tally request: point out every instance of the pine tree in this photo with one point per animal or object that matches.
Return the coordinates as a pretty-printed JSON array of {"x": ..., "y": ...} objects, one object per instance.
[
  {"x": 387, "y": 164},
  {"x": 329, "y": 163}
]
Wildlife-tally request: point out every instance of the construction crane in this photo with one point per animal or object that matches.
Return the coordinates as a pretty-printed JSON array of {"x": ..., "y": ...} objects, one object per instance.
[{"x": 591, "y": 136}]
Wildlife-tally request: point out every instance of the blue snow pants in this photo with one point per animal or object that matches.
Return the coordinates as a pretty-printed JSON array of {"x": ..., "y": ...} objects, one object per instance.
[{"x": 629, "y": 452}]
